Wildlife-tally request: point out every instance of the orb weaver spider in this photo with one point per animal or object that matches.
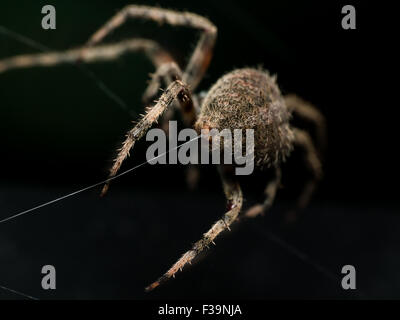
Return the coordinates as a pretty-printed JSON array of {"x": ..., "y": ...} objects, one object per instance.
[{"x": 243, "y": 98}]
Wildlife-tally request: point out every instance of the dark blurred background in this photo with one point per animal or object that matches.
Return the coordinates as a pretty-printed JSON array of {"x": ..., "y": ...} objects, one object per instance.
[{"x": 59, "y": 132}]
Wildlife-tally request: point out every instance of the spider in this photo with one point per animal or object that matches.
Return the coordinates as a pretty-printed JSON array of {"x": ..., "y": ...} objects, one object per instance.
[{"x": 243, "y": 98}]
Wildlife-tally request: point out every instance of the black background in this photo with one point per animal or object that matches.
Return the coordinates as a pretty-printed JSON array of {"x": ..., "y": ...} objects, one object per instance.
[{"x": 59, "y": 132}]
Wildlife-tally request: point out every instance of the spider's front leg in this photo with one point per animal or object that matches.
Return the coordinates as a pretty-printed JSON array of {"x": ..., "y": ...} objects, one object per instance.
[
  {"x": 234, "y": 198},
  {"x": 166, "y": 73},
  {"x": 201, "y": 57},
  {"x": 176, "y": 90}
]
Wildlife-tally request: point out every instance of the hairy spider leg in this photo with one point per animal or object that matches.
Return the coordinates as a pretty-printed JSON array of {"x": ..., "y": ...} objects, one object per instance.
[
  {"x": 176, "y": 89},
  {"x": 303, "y": 140},
  {"x": 99, "y": 53},
  {"x": 167, "y": 73},
  {"x": 201, "y": 57},
  {"x": 308, "y": 112},
  {"x": 234, "y": 198},
  {"x": 270, "y": 192}
]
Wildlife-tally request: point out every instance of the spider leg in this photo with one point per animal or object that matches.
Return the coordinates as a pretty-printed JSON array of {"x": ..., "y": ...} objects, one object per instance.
[
  {"x": 192, "y": 172},
  {"x": 201, "y": 56},
  {"x": 166, "y": 72},
  {"x": 303, "y": 140},
  {"x": 176, "y": 89},
  {"x": 99, "y": 53},
  {"x": 270, "y": 192},
  {"x": 309, "y": 113},
  {"x": 234, "y": 198}
]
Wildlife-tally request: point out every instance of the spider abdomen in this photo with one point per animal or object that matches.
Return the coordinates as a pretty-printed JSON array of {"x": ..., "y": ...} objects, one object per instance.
[{"x": 250, "y": 99}]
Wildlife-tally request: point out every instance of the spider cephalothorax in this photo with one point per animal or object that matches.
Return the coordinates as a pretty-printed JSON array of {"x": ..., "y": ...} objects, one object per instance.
[{"x": 242, "y": 99}]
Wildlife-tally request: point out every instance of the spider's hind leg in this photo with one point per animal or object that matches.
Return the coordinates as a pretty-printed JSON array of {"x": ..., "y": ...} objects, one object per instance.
[
  {"x": 308, "y": 112},
  {"x": 270, "y": 192},
  {"x": 303, "y": 140},
  {"x": 234, "y": 198}
]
